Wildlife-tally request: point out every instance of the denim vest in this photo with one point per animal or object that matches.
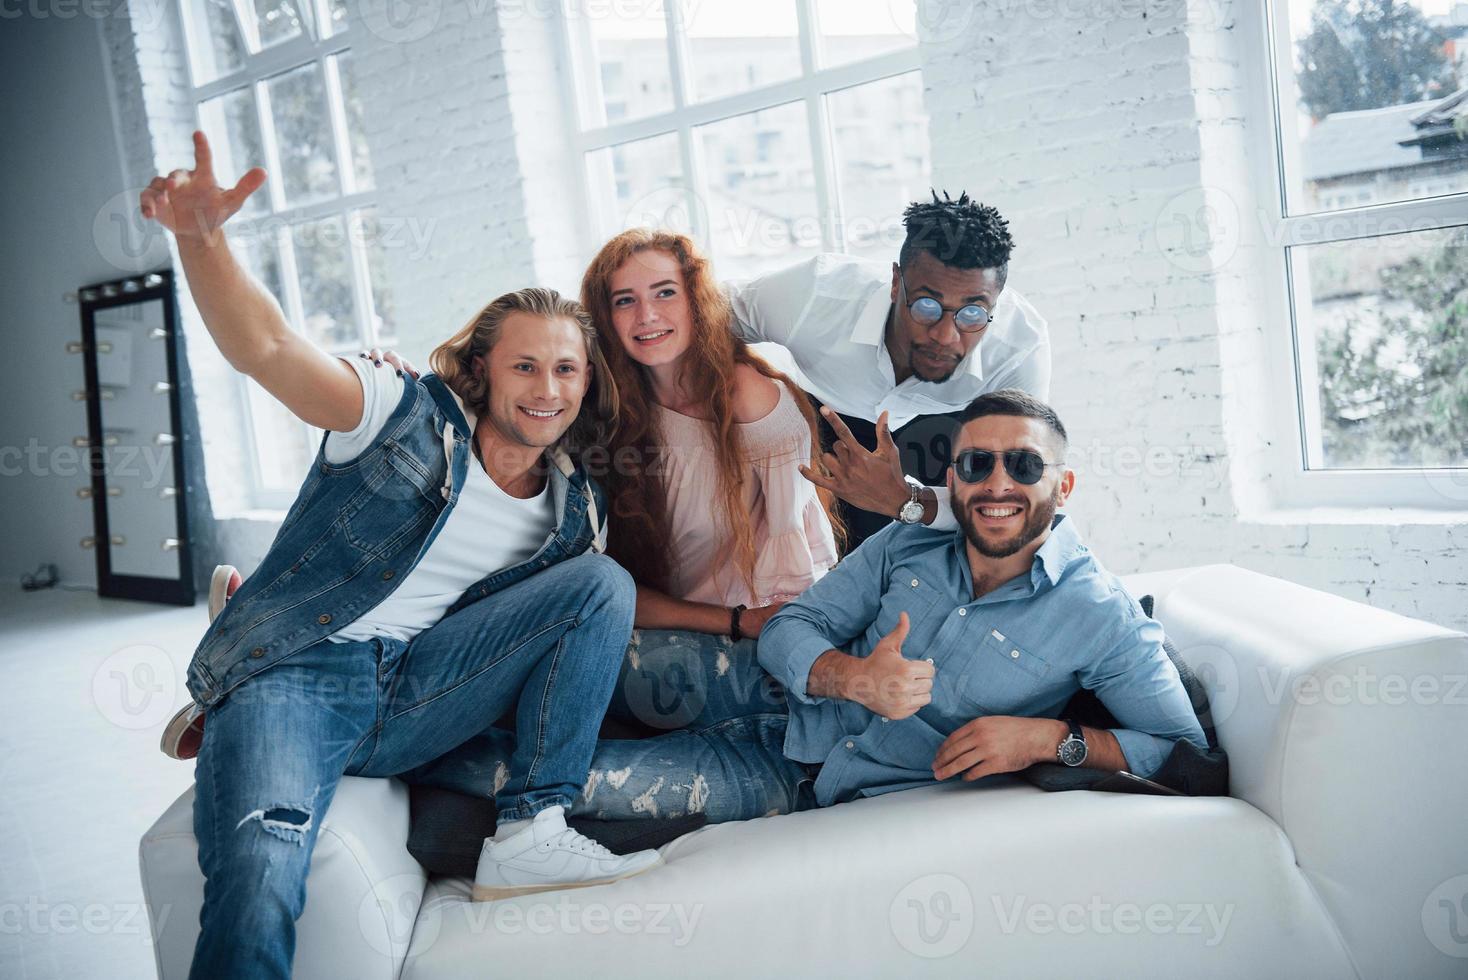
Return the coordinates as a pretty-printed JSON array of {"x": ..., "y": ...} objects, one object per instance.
[{"x": 358, "y": 528}]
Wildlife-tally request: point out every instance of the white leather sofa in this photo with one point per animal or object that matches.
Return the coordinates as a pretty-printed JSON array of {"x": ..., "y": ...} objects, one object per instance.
[{"x": 1342, "y": 851}]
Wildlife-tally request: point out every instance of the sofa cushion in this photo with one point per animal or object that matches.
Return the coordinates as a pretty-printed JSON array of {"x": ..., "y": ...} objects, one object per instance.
[
  {"x": 988, "y": 879},
  {"x": 362, "y": 894}
]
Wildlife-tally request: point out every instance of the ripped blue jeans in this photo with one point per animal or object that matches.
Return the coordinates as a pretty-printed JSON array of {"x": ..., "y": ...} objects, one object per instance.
[
  {"x": 721, "y": 751},
  {"x": 547, "y": 649}
]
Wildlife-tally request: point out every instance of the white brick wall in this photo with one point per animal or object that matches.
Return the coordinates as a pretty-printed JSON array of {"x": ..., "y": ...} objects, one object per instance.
[{"x": 1083, "y": 120}]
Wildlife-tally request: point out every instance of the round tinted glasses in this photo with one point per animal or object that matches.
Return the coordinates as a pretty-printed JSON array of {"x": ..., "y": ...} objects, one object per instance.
[
  {"x": 928, "y": 311},
  {"x": 975, "y": 465}
]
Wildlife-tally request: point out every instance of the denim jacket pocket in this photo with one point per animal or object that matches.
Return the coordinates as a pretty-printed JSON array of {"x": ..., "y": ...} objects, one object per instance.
[{"x": 1004, "y": 676}]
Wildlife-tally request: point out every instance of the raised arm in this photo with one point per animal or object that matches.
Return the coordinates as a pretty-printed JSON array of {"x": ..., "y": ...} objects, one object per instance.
[{"x": 243, "y": 318}]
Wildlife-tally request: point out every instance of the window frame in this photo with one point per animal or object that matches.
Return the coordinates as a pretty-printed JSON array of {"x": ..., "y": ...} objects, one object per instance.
[
  {"x": 1296, "y": 484},
  {"x": 278, "y": 220},
  {"x": 591, "y": 132}
]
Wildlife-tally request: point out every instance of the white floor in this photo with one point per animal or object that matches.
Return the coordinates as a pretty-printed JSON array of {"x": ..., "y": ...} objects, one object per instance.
[{"x": 87, "y": 686}]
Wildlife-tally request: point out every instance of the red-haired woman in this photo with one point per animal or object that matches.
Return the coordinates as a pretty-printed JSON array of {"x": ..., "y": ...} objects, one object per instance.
[{"x": 708, "y": 508}]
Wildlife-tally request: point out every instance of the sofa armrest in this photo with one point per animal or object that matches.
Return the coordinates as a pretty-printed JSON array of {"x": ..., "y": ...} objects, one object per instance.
[
  {"x": 362, "y": 894},
  {"x": 1342, "y": 722}
]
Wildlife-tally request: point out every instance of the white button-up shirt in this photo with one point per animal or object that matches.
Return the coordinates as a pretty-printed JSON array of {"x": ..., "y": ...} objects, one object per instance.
[{"x": 830, "y": 314}]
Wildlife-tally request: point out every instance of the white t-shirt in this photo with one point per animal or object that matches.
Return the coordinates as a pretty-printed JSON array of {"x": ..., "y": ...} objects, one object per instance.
[{"x": 488, "y": 529}]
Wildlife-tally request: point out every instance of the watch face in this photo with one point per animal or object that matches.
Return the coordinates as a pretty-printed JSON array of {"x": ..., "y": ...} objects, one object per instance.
[
  {"x": 1073, "y": 751},
  {"x": 911, "y": 512}
]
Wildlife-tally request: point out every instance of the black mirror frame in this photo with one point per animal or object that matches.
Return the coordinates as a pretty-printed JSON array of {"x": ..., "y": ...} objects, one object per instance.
[{"x": 100, "y": 296}]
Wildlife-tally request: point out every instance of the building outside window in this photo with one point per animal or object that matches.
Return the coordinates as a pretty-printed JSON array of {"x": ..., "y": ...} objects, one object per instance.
[{"x": 1372, "y": 115}]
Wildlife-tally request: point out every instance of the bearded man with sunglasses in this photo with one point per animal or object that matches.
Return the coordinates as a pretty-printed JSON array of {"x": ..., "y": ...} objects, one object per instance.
[
  {"x": 928, "y": 654},
  {"x": 891, "y": 357}
]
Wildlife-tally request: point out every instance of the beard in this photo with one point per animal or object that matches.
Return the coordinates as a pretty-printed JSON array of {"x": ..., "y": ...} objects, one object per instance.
[{"x": 1041, "y": 516}]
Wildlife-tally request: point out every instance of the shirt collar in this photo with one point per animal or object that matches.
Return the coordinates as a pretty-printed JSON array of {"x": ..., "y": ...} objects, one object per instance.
[{"x": 1062, "y": 547}]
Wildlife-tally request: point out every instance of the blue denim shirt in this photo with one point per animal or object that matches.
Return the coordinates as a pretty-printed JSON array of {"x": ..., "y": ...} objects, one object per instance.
[
  {"x": 356, "y": 530},
  {"x": 1022, "y": 649}
]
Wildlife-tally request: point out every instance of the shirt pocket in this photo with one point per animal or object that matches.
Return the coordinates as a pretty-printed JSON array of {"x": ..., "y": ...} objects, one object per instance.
[
  {"x": 1004, "y": 677},
  {"x": 907, "y": 592}
]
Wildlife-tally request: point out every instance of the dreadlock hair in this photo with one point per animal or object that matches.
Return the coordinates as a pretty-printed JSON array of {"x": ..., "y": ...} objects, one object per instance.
[{"x": 963, "y": 233}]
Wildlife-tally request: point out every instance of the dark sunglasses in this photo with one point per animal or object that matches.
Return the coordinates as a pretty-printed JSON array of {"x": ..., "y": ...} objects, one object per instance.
[
  {"x": 928, "y": 311},
  {"x": 975, "y": 465}
]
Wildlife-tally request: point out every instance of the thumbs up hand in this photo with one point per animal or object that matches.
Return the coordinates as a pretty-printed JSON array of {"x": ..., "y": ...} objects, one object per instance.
[{"x": 888, "y": 683}]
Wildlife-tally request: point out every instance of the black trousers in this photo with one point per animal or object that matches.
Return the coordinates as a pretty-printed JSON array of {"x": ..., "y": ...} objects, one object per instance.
[{"x": 926, "y": 448}]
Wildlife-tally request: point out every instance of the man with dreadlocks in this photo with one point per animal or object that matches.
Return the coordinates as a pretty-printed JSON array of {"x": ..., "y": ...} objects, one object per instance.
[{"x": 891, "y": 358}]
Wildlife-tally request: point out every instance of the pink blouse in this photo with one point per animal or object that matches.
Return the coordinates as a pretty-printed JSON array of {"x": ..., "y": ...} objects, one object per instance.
[{"x": 793, "y": 543}]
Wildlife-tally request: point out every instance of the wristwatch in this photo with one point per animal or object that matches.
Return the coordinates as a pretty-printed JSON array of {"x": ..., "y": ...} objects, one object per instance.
[
  {"x": 1072, "y": 750},
  {"x": 912, "y": 511}
]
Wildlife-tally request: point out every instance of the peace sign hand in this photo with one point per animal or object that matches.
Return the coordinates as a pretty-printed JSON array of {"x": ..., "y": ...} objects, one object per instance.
[{"x": 190, "y": 203}]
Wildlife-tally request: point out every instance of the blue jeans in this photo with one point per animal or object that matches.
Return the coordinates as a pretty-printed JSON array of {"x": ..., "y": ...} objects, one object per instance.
[
  {"x": 274, "y": 750},
  {"x": 721, "y": 753}
]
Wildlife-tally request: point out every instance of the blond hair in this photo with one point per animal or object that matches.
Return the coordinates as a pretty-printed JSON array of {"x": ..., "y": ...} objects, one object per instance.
[{"x": 456, "y": 361}]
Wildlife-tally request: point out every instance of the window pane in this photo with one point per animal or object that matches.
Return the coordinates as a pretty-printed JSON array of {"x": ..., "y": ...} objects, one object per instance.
[
  {"x": 761, "y": 200},
  {"x": 361, "y": 160},
  {"x": 643, "y": 183},
  {"x": 1370, "y": 106},
  {"x": 734, "y": 47},
  {"x": 336, "y": 11},
  {"x": 260, "y": 255},
  {"x": 630, "y": 54},
  {"x": 880, "y": 137},
  {"x": 273, "y": 21},
  {"x": 215, "y": 45},
  {"x": 284, "y": 445},
  {"x": 233, "y": 129},
  {"x": 1386, "y": 320},
  {"x": 323, "y": 266},
  {"x": 303, "y": 135},
  {"x": 856, "y": 29},
  {"x": 375, "y": 240}
]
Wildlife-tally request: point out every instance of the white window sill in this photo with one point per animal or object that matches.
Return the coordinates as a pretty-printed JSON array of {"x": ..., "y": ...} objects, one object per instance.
[
  {"x": 261, "y": 515},
  {"x": 1364, "y": 516}
]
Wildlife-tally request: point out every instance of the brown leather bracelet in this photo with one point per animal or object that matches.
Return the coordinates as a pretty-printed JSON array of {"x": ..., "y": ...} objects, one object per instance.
[{"x": 734, "y": 622}]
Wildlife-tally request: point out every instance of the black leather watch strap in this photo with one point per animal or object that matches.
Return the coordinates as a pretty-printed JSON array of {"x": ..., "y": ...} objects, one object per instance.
[
  {"x": 734, "y": 622},
  {"x": 1073, "y": 736}
]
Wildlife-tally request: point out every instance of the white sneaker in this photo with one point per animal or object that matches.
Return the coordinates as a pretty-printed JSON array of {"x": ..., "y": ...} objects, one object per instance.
[
  {"x": 222, "y": 583},
  {"x": 547, "y": 856},
  {"x": 184, "y": 732}
]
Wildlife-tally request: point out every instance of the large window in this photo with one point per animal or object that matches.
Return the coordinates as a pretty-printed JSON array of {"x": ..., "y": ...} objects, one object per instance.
[
  {"x": 275, "y": 86},
  {"x": 768, "y": 129},
  {"x": 1373, "y": 219}
]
